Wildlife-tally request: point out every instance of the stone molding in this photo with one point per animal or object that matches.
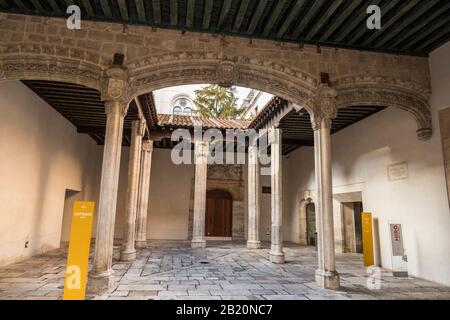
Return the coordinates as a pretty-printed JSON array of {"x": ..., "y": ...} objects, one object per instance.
[
  {"x": 388, "y": 92},
  {"x": 324, "y": 107},
  {"x": 38, "y": 48},
  {"x": 147, "y": 146},
  {"x": 193, "y": 67}
]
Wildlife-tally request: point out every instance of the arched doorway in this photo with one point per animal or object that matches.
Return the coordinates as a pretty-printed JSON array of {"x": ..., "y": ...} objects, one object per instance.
[
  {"x": 311, "y": 224},
  {"x": 219, "y": 214}
]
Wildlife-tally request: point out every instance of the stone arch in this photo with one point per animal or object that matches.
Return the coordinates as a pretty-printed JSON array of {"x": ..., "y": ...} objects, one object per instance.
[
  {"x": 173, "y": 69},
  {"x": 17, "y": 65},
  {"x": 387, "y": 92},
  {"x": 305, "y": 199}
]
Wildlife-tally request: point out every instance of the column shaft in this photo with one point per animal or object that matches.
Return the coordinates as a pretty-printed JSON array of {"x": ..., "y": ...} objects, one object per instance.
[
  {"x": 201, "y": 171},
  {"x": 253, "y": 241},
  {"x": 128, "y": 251},
  {"x": 144, "y": 190},
  {"x": 326, "y": 275},
  {"x": 101, "y": 278},
  {"x": 276, "y": 252}
]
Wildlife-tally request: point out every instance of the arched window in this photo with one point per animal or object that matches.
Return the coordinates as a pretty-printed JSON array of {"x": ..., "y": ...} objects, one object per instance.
[
  {"x": 177, "y": 111},
  {"x": 183, "y": 106}
]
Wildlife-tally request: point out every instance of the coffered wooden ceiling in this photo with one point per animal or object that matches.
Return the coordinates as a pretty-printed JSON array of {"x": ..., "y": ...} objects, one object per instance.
[{"x": 414, "y": 27}]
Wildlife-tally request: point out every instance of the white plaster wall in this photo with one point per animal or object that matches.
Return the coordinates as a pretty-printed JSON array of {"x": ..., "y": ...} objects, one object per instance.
[
  {"x": 361, "y": 154},
  {"x": 170, "y": 188},
  {"x": 42, "y": 156}
]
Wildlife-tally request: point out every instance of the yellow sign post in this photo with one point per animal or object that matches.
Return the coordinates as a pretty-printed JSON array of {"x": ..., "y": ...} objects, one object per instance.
[
  {"x": 367, "y": 238},
  {"x": 79, "y": 245}
]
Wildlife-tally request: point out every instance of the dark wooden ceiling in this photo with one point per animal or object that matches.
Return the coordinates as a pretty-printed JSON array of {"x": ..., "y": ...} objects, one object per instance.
[
  {"x": 414, "y": 27},
  {"x": 297, "y": 131},
  {"x": 84, "y": 108}
]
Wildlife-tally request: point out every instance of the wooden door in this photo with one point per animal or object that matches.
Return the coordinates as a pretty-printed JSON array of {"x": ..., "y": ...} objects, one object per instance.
[{"x": 219, "y": 214}]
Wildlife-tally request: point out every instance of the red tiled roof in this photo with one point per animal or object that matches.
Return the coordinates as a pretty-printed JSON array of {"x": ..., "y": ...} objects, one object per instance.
[{"x": 168, "y": 120}]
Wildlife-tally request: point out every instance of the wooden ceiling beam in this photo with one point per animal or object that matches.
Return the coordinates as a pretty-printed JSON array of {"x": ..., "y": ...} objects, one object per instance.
[
  {"x": 430, "y": 20},
  {"x": 406, "y": 22},
  {"x": 336, "y": 23},
  {"x": 140, "y": 8},
  {"x": 123, "y": 9},
  {"x": 157, "y": 16},
  {"x": 394, "y": 19},
  {"x": 294, "y": 13},
  {"x": 226, "y": 6},
  {"x": 190, "y": 13},
  {"x": 240, "y": 15},
  {"x": 323, "y": 19},
  {"x": 436, "y": 25},
  {"x": 307, "y": 18},
  {"x": 385, "y": 9},
  {"x": 173, "y": 12},
  {"x": 88, "y": 7},
  {"x": 357, "y": 20},
  {"x": 274, "y": 17},
  {"x": 256, "y": 17},
  {"x": 434, "y": 37},
  {"x": 20, "y": 5},
  {"x": 105, "y": 8},
  {"x": 38, "y": 6},
  {"x": 207, "y": 12}
]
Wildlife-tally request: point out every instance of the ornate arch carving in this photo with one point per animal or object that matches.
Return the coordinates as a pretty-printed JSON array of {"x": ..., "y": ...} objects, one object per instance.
[
  {"x": 16, "y": 65},
  {"x": 157, "y": 72},
  {"x": 387, "y": 92}
]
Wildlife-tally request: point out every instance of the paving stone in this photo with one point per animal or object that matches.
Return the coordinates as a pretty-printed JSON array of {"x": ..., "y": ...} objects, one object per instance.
[{"x": 171, "y": 271}]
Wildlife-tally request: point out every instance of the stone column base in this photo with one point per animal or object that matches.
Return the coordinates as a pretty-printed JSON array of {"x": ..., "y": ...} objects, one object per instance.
[
  {"x": 277, "y": 257},
  {"x": 198, "y": 244},
  {"x": 140, "y": 244},
  {"x": 253, "y": 244},
  {"x": 100, "y": 283},
  {"x": 127, "y": 256},
  {"x": 327, "y": 279}
]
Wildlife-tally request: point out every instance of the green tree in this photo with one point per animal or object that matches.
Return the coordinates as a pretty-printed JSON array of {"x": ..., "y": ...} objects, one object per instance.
[{"x": 214, "y": 101}]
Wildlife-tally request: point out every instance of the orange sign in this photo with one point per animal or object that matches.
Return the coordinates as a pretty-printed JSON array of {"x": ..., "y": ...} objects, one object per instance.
[
  {"x": 367, "y": 238},
  {"x": 79, "y": 245}
]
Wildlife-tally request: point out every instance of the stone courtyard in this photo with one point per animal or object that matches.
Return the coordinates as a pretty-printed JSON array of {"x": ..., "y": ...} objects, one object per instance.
[{"x": 223, "y": 271}]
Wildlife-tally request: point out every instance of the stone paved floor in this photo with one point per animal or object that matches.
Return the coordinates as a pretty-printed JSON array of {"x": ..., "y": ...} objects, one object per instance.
[{"x": 171, "y": 270}]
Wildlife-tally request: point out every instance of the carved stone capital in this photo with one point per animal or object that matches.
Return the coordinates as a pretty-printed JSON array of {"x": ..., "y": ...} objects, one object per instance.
[
  {"x": 424, "y": 134},
  {"x": 116, "y": 107},
  {"x": 324, "y": 107},
  {"x": 147, "y": 146},
  {"x": 201, "y": 149},
  {"x": 139, "y": 127},
  {"x": 274, "y": 135}
]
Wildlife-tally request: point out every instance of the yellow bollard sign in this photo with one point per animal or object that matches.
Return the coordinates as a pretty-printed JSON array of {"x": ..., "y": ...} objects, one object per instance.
[
  {"x": 79, "y": 245},
  {"x": 367, "y": 238}
]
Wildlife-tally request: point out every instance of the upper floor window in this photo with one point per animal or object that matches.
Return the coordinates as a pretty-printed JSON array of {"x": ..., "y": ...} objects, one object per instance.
[
  {"x": 177, "y": 111},
  {"x": 183, "y": 106}
]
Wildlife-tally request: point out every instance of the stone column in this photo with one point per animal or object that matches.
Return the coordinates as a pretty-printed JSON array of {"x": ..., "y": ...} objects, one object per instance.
[
  {"x": 276, "y": 252},
  {"x": 101, "y": 278},
  {"x": 141, "y": 220},
  {"x": 323, "y": 114},
  {"x": 253, "y": 196},
  {"x": 128, "y": 252},
  {"x": 201, "y": 167}
]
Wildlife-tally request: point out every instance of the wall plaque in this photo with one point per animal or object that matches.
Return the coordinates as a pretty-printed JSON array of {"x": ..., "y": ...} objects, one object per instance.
[{"x": 398, "y": 171}]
